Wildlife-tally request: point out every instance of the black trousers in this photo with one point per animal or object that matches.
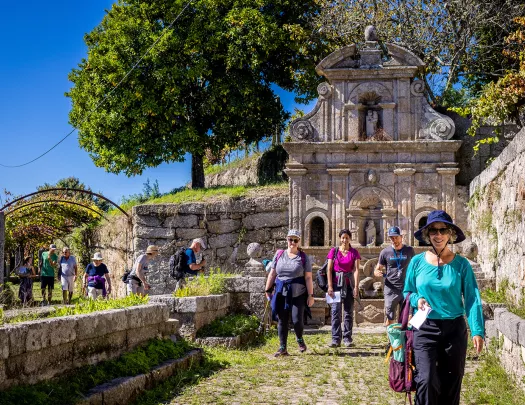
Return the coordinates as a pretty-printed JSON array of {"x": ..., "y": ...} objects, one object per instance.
[
  {"x": 440, "y": 349},
  {"x": 297, "y": 313}
]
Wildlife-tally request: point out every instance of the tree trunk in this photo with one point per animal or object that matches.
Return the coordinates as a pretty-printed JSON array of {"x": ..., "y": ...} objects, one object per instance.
[{"x": 197, "y": 171}]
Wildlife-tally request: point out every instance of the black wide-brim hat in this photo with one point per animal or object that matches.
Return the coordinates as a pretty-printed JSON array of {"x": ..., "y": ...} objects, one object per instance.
[{"x": 440, "y": 216}]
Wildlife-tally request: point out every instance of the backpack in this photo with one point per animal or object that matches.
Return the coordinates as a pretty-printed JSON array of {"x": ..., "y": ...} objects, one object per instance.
[
  {"x": 401, "y": 369},
  {"x": 179, "y": 264},
  {"x": 321, "y": 279},
  {"x": 125, "y": 276}
]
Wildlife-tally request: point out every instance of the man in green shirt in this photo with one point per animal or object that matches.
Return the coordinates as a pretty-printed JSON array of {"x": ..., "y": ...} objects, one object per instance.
[{"x": 47, "y": 276}]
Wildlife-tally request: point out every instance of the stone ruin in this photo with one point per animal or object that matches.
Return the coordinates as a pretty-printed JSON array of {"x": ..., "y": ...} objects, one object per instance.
[{"x": 371, "y": 154}]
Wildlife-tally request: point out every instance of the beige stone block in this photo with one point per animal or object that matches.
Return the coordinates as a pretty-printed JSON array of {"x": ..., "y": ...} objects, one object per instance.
[
  {"x": 138, "y": 336},
  {"x": 374, "y": 157},
  {"x": 189, "y": 234},
  {"x": 47, "y": 363},
  {"x": 123, "y": 390},
  {"x": 182, "y": 221},
  {"x": 4, "y": 343},
  {"x": 370, "y": 311},
  {"x": 17, "y": 338},
  {"x": 96, "y": 349}
]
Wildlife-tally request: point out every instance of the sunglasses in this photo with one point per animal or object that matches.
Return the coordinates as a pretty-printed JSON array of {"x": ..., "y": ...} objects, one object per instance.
[
  {"x": 293, "y": 240},
  {"x": 435, "y": 231}
]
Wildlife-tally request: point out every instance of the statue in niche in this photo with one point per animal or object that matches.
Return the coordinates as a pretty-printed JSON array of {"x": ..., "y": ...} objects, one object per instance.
[
  {"x": 371, "y": 123},
  {"x": 372, "y": 176},
  {"x": 370, "y": 233},
  {"x": 370, "y": 33}
]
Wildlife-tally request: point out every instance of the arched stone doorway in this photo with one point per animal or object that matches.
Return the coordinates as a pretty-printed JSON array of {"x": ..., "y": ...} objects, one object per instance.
[
  {"x": 317, "y": 229},
  {"x": 317, "y": 232}
]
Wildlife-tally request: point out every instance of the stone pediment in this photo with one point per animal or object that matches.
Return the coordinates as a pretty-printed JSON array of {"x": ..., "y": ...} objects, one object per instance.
[{"x": 370, "y": 96}]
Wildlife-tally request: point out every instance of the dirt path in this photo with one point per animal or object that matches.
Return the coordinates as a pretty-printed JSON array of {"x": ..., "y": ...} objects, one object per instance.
[{"x": 356, "y": 375}]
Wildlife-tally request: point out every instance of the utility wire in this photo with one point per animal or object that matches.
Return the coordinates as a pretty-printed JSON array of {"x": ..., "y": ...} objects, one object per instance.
[{"x": 107, "y": 95}]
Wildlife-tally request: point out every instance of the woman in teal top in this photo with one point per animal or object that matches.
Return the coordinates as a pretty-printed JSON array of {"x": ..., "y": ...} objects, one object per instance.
[{"x": 446, "y": 283}]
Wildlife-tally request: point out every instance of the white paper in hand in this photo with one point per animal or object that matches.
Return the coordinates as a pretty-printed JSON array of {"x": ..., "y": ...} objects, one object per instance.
[
  {"x": 420, "y": 316},
  {"x": 337, "y": 297}
]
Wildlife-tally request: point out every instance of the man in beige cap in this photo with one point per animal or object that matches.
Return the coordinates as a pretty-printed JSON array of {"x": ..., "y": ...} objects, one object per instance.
[
  {"x": 47, "y": 275},
  {"x": 197, "y": 245},
  {"x": 136, "y": 280}
]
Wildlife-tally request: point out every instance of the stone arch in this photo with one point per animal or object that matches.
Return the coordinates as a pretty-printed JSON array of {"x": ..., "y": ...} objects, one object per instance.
[
  {"x": 316, "y": 215},
  {"x": 367, "y": 194},
  {"x": 420, "y": 220},
  {"x": 370, "y": 92},
  {"x": 371, "y": 203}
]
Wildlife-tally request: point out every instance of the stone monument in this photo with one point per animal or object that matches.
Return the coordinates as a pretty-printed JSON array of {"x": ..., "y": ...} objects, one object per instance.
[{"x": 372, "y": 153}]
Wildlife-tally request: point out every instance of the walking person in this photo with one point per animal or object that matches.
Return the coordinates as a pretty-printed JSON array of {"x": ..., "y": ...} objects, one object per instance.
[
  {"x": 95, "y": 278},
  {"x": 392, "y": 265},
  {"x": 343, "y": 277},
  {"x": 47, "y": 274},
  {"x": 445, "y": 282},
  {"x": 137, "y": 283},
  {"x": 26, "y": 272},
  {"x": 68, "y": 274},
  {"x": 290, "y": 288}
]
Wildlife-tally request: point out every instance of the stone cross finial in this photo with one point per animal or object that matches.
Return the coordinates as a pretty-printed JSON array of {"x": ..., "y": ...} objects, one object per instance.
[{"x": 370, "y": 33}]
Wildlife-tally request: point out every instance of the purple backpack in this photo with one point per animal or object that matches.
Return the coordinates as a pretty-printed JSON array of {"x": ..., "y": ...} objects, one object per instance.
[{"x": 401, "y": 373}]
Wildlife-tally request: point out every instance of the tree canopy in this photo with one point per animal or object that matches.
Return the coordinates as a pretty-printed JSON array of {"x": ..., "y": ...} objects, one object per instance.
[
  {"x": 206, "y": 85},
  {"x": 459, "y": 40}
]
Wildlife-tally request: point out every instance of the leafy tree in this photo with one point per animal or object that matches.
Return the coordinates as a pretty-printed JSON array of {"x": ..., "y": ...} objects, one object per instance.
[
  {"x": 457, "y": 39},
  {"x": 503, "y": 101},
  {"x": 206, "y": 85}
]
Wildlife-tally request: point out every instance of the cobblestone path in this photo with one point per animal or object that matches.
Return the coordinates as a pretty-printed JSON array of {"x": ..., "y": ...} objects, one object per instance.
[{"x": 356, "y": 375}]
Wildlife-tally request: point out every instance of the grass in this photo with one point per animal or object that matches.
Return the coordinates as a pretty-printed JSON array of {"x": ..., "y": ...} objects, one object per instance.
[
  {"x": 490, "y": 384},
  {"x": 70, "y": 388},
  {"x": 205, "y": 195},
  {"x": 230, "y": 326},
  {"x": 84, "y": 306},
  {"x": 214, "y": 283}
]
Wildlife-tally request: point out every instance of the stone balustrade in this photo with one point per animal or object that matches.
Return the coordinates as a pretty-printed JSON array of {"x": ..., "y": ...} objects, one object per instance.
[{"x": 39, "y": 350}]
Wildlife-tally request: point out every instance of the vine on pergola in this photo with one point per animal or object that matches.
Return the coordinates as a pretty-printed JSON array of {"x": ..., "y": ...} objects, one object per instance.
[{"x": 41, "y": 219}]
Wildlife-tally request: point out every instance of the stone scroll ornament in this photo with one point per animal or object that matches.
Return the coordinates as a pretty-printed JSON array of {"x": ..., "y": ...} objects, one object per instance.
[
  {"x": 324, "y": 90},
  {"x": 437, "y": 126},
  {"x": 302, "y": 130}
]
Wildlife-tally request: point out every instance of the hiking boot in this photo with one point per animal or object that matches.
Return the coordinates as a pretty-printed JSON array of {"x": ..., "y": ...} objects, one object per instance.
[
  {"x": 334, "y": 344},
  {"x": 302, "y": 345},
  {"x": 281, "y": 352},
  {"x": 348, "y": 343}
]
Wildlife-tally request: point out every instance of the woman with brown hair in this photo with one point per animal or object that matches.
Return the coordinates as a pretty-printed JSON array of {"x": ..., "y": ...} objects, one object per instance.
[
  {"x": 443, "y": 281},
  {"x": 343, "y": 276}
]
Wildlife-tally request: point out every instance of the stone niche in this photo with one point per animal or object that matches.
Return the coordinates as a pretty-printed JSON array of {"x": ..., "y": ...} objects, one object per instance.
[{"x": 372, "y": 153}]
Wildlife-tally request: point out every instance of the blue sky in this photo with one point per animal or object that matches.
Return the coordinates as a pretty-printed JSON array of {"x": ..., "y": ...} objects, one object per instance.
[{"x": 40, "y": 43}]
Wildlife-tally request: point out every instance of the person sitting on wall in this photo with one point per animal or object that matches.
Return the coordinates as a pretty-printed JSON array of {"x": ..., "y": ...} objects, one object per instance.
[
  {"x": 136, "y": 282},
  {"x": 194, "y": 268},
  {"x": 95, "y": 278}
]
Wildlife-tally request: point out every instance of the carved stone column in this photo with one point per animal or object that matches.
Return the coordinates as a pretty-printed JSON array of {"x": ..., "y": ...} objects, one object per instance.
[
  {"x": 448, "y": 189},
  {"x": 388, "y": 119},
  {"x": 339, "y": 190},
  {"x": 296, "y": 193},
  {"x": 356, "y": 217},
  {"x": 405, "y": 196},
  {"x": 353, "y": 129},
  {"x": 389, "y": 220}
]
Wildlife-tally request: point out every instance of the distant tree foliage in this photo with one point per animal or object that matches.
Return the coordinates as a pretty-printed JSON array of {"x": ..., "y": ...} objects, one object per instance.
[
  {"x": 503, "y": 101},
  {"x": 207, "y": 85},
  {"x": 457, "y": 39}
]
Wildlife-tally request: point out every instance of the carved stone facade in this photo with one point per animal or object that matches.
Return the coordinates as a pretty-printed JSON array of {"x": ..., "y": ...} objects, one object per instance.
[{"x": 372, "y": 153}]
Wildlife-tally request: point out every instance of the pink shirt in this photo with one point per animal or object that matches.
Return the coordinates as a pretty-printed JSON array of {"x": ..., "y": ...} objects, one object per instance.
[{"x": 346, "y": 264}]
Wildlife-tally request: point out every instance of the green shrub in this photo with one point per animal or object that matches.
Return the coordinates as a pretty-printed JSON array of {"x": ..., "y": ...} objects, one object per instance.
[
  {"x": 214, "y": 283},
  {"x": 85, "y": 306},
  {"x": 230, "y": 326},
  {"x": 69, "y": 389}
]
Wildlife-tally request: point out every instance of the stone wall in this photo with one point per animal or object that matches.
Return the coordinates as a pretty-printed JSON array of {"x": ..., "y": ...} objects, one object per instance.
[
  {"x": 497, "y": 207},
  {"x": 242, "y": 175},
  {"x": 39, "y": 350},
  {"x": 227, "y": 227},
  {"x": 508, "y": 330},
  {"x": 114, "y": 240},
  {"x": 195, "y": 312}
]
